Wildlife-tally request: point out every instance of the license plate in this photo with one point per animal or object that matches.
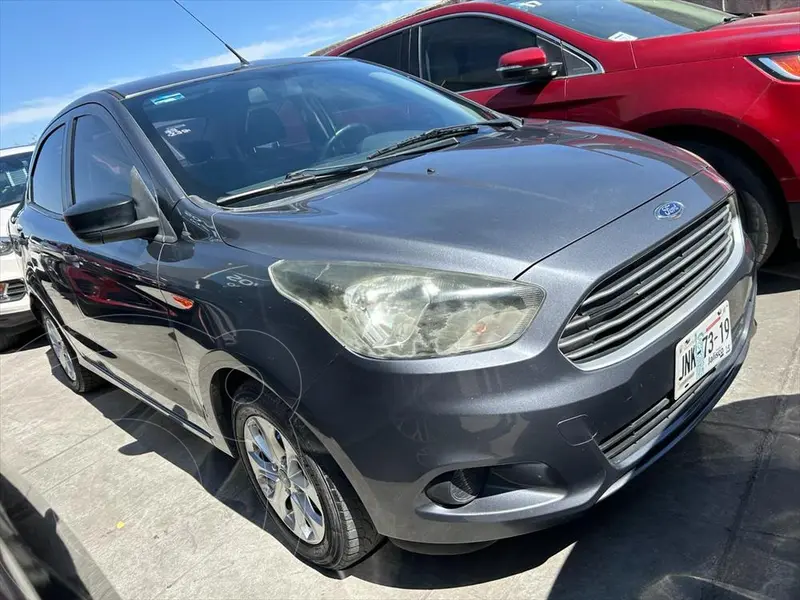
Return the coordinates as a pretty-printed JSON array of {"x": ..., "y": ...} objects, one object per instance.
[{"x": 703, "y": 349}]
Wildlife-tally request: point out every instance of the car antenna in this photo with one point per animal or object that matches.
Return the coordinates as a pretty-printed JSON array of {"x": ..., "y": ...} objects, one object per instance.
[{"x": 242, "y": 60}]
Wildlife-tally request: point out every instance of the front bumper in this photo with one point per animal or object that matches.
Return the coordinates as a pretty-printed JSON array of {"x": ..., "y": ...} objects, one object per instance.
[
  {"x": 533, "y": 418},
  {"x": 15, "y": 312},
  {"x": 16, "y": 316}
]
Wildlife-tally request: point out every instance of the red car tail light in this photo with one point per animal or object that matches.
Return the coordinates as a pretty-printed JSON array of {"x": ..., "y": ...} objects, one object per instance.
[{"x": 783, "y": 66}]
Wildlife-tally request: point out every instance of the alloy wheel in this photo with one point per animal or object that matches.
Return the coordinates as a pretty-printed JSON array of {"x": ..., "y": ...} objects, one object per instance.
[
  {"x": 60, "y": 348},
  {"x": 283, "y": 480}
]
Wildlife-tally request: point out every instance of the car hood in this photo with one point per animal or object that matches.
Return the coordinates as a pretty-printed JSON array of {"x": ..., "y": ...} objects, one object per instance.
[
  {"x": 494, "y": 204},
  {"x": 769, "y": 33}
]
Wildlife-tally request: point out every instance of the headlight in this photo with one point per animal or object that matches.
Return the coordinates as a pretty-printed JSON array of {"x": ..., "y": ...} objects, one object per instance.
[
  {"x": 5, "y": 246},
  {"x": 783, "y": 66},
  {"x": 390, "y": 311}
]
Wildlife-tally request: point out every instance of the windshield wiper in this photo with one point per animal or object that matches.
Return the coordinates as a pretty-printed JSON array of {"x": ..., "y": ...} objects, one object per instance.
[
  {"x": 298, "y": 179},
  {"x": 733, "y": 18},
  {"x": 443, "y": 136},
  {"x": 442, "y": 132}
]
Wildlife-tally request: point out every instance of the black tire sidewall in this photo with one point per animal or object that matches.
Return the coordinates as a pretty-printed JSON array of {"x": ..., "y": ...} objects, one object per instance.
[
  {"x": 253, "y": 399},
  {"x": 760, "y": 213}
]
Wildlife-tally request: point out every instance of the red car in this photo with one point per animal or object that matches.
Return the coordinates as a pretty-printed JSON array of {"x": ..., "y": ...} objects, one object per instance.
[{"x": 723, "y": 86}]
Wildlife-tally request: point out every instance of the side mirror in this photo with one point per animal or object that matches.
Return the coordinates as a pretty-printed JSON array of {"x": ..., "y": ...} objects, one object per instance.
[
  {"x": 116, "y": 217},
  {"x": 527, "y": 63},
  {"x": 109, "y": 219}
]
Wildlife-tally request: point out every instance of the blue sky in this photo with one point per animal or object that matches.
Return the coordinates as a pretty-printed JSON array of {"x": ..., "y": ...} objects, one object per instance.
[{"x": 52, "y": 51}]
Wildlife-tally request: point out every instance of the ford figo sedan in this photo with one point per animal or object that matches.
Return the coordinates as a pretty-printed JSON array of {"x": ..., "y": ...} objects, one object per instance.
[
  {"x": 724, "y": 86},
  {"x": 408, "y": 315}
]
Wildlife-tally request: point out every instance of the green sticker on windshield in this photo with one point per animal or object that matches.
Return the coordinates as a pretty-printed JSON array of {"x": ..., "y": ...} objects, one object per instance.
[{"x": 167, "y": 98}]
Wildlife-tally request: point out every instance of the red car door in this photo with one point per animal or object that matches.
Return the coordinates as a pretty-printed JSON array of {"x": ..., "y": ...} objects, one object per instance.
[{"x": 461, "y": 53}]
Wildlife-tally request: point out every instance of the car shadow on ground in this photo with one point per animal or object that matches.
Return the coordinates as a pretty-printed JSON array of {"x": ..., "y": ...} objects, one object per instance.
[
  {"x": 781, "y": 274},
  {"x": 777, "y": 281},
  {"x": 30, "y": 340}
]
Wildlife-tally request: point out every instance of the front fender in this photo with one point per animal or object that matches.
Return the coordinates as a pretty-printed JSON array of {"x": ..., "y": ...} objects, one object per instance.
[{"x": 704, "y": 125}]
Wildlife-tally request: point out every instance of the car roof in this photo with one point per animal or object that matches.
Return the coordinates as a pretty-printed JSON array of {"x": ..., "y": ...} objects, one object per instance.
[
  {"x": 388, "y": 25},
  {"x": 16, "y": 150},
  {"x": 140, "y": 86},
  {"x": 167, "y": 80}
]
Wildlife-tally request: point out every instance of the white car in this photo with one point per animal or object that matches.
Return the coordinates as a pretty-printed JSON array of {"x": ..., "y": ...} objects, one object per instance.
[{"x": 15, "y": 309}]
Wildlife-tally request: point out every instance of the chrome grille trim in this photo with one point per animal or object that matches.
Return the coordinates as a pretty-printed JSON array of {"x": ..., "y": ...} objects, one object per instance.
[
  {"x": 15, "y": 290},
  {"x": 620, "y": 308}
]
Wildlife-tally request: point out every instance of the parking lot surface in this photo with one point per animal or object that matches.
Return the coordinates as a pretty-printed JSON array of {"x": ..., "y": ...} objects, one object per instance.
[{"x": 164, "y": 515}]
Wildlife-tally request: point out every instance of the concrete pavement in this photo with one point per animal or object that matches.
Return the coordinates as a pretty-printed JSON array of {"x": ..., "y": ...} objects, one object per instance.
[{"x": 166, "y": 516}]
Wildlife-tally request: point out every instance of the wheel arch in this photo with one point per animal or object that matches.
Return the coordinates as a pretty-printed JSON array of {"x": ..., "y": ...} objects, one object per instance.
[
  {"x": 219, "y": 376},
  {"x": 223, "y": 377},
  {"x": 749, "y": 152}
]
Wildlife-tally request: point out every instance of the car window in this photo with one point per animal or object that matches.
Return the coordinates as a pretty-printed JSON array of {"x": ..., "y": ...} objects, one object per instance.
[
  {"x": 100, "y": 165},
  {"x": 14, "y": 170},
  {"x": 47, "y": 173},
  {"x": 623, "y": 20},
  {"x": 462, "y": 53},
  {"x": 389, "y": 51},
  {"x": 257, "y": 125},
  {"x": 576, "y": 65}
]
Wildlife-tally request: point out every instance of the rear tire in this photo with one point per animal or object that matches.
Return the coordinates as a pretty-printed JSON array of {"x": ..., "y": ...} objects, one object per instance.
[
  {"x": 760, "y": 211},
  {"x": 348, "y": 533},
  {"x": 78, "y": 378}
]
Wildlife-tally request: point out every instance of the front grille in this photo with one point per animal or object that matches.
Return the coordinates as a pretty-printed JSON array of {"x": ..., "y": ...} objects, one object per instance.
[
  {"x": 651, "y": 424},
  {"x": 14, "y": 290},
  {"x": 623, "y": 306}
]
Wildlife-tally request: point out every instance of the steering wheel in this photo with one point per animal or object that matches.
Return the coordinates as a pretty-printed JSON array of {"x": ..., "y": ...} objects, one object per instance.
[{"x": 340, "y": 138}]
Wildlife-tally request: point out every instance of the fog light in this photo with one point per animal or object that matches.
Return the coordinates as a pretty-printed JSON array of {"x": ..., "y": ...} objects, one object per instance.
[{"x": 457, "y": 488}]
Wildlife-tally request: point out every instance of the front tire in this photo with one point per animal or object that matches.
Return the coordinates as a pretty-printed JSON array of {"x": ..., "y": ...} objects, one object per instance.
[
  {"x": 317, "y": 512},
  {"x": 760, "y": 211},
  {"x": 78, "y": 378}
]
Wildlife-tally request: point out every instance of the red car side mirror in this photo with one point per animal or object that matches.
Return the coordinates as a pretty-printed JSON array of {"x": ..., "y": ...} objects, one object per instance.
[{"x": 527, "y": 63}]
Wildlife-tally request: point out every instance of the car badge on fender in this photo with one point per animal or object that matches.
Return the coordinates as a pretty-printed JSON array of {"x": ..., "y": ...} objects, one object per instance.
[{"x": 669, "y": 210}]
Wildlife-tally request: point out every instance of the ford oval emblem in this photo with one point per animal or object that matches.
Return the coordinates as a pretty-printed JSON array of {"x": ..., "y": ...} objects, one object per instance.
[{"x": 669, "y": 210}]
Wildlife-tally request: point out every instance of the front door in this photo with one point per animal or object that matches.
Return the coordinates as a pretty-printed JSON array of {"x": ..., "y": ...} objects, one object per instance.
[
  {"x": 115, "y": 284},
  {"x": 462, "y": 53}
]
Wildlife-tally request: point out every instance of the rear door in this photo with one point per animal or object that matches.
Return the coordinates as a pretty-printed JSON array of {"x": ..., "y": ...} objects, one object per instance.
[
  {"x": 42, "y": 233},
  {"x": 461, "y": 53},
  {"x": 392, "y": 51}
]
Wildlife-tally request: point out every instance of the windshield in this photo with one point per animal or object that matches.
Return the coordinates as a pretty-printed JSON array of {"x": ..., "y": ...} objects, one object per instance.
[
  {"x": 623, "y": 20},
  {"x": 13, "y": 177},
  {"x": 238, "y": 132}
]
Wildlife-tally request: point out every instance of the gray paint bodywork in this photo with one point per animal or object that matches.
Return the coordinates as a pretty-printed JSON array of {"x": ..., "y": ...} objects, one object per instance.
[{"x": 561, "y": 205}]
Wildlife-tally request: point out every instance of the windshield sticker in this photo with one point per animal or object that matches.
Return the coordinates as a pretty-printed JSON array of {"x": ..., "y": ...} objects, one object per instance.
[
  {"x": 176, "y": 130},
  {"x": 528, "y": 4},
  {"x": 621, "y": 36},
  {"x": 167, "y": 98}
]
